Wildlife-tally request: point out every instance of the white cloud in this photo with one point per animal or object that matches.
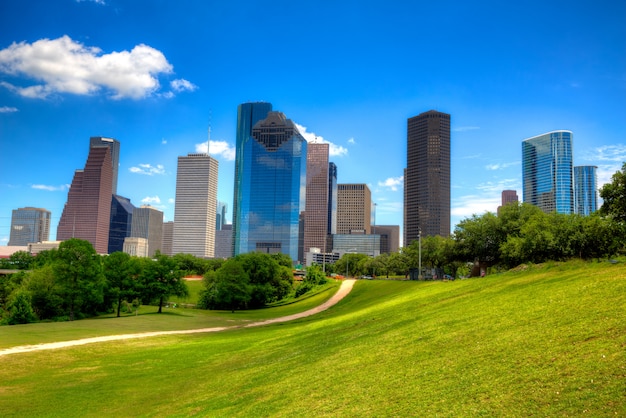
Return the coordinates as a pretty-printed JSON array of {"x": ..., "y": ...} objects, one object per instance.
[
  {"x": 501, "y": 166},
  {"x": 334, "y": 150},
  {"x": 163, "y": 141},
  {"x": 148, "y": 169},
  {"x": 51, "y": 188},
  {"x": 351, "y": 141},
  {"x": 151, "y": 200},
  {"x": 217, "y": 148},
  {"x": 488, "y": 200},
  {"x": 92, "y": 1},
  {"x": 7, "y": 109},
  {"x": 182, "y": 85},
  {"x": 171, "y": 200},
  {"x": 65, "y": 66},
  {"x": 392, "y": 183}
]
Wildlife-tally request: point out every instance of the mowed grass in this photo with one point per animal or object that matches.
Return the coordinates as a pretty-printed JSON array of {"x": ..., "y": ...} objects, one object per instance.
[{"x": 548, "y": 341}]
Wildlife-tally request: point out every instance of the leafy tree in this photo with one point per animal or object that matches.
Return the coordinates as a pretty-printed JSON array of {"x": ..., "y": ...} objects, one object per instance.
[
  {"x": 21, "y": 260},
  {"x": 78, "y": 271},
  {"x": 348, "y": 264},
  {"x": 226, "y": 288},
  {"x": 161, "y": 278},
  {"x": 479, "y": 238},
  {"x": 270, "y": 281},
  {"x": 19, "y": 309},
  {"x": 122, "y": 271},
  {"x": 46, "y": 295},
  {"x": 614, "y": 196}
]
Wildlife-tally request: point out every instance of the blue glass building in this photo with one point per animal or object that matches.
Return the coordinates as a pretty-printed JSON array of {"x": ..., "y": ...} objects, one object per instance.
[
  {"x": 248, "y": 114},
  {"x": 547, "y": 167},
  {"x": 121, "y": 222},
  {"x": 586, "y": 189},
  {"x": 271, "y": 187}
]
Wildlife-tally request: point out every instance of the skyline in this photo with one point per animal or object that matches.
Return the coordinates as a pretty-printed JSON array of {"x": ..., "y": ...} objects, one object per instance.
[{"x": 157, "y": 77}]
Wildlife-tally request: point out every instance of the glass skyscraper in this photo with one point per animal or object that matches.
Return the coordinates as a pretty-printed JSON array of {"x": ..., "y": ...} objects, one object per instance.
[
  {"x": 270, "y": 186},
  {"x": 248, "y": 114},
  {"x": 29, "y": 225},
  {"x": 547, "y": 167},
  {"x": 585, "y": 189},
  {"x": 121, "y": 222}
]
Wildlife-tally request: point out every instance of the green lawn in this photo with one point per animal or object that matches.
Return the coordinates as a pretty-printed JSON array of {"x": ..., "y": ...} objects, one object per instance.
[{"x": 547, "y": 341}]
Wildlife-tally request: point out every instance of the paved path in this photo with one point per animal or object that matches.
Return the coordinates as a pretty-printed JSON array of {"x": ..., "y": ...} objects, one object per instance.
[{"x": 344, "y": 289}]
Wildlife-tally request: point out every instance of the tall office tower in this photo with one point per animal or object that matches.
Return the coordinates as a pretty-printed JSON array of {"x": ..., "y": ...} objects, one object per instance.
[
  {"x": 196, "y": 200},
  {"x": 332, "y": 199},
  {"x": 427, "y": 176},
  {"x": 509, "y": 196},
  {"x": 547, "y": 171},
  {"x": 220, "y": 218},
  {"x": 29, "y": 225},
  {"x": 168, "y": 237},
  {"x": 354, "y": 209},
  {"x": 248, "y": 114},
  {"x": 586, "y": 189},
  {"x": 271, "y": 188},
  {"x": 114, "y": 146},
  {"x": 148, "y": 224},
  {"x": 224, "y": 241},
  {"x": 317, "y": 193},
  {"x": 87, "y": 212},
  {"x": 389, "y": 238},
  {"x": 121, "y": 222}
]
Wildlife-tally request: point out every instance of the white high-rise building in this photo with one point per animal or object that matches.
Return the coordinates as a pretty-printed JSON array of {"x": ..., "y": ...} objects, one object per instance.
[{"x": 196, "y": 200}]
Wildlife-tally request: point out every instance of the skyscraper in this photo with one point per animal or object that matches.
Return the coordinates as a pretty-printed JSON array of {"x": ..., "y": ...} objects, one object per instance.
[
  {"x": 317, "y": 193},
  {"x": 332, "y": 199},
  {"x": 585, "y": 189},
  {"x": 270, "y": 188},
  {"x": 248, "y": 114},
  {"x": 427, "y": 176},
  {"x": 196, "y": 200},
  {"x": 121, "y": 222},
  {"x": 354, "y": 209},
  {"x": 168, "y": 237},
  {"x": 29, "y": 225},
  {"x": 148, "y": 223},
  {"x": 86, "y": 214},
  {"x": 547, "y": 171},
  {"x": 114, "y": 146}
]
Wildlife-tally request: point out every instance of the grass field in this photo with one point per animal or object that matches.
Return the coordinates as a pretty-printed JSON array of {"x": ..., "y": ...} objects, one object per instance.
[{"x": 548, "y": 341}]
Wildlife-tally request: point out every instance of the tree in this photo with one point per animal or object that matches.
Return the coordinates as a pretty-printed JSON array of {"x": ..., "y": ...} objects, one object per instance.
[
  {"x": 479, "y": 238},
  {"x": 122, "y": 271},
  {"x": 78, "y": 271},
  {"x": 19, "y": 309},
  {"x": 614, "y": 196},
  {"x": 270, "y": 281},
  {"x": 46, "y": 295},
  {"x": 21, "y": 260},
  {"x": 226, "y": 288},
  {"x": 161, "y": 278}
]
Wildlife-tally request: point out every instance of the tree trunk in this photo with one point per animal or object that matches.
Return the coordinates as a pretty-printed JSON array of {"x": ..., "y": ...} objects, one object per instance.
[
  {"x": 160, "y": 304},
  {"x": 119, "y": 305}
]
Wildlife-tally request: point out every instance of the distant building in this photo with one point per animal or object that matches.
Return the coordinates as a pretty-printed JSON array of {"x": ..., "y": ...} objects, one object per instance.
[
  {"x": 87, "y": 212},
  {"x": 136, "y": 246},
  {"x": 389, "y": 237},
  {"x": 585, "y": 189},
  {"x": 121, "y": 222},
  {"x": 316, "y": 256},
  {"x": 148, "y": 224},
  {"x": 547, "y": 171},
  {"x": 427, "y": 176},
  {"x": 224, "y": 241},
  {"x": 29, "y": 225},
  {"x": 355, "y": 243},
  {"x": 220, "y": 217},
  {"x": 168, "y": 236},
  {"x": 196, "y": 200},
  {"x": 316, "y": 215},
  {"x": 114, "y": 147},
  {"x": 354, "y": 209},
  {"x": 270, "y": 188},
  {"x": 37, "y": 247},
  {"x": 508, "y": 196}
]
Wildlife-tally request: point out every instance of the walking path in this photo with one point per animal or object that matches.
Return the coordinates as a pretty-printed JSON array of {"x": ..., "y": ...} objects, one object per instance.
[{"x": 344, "y": 289}]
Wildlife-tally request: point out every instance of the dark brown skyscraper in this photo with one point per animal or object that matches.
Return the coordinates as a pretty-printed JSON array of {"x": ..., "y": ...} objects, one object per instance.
[
  {"x": 86, "y": 214},
  {"x": 427, "y": 176},
  {"x": 316, "y": 207}
]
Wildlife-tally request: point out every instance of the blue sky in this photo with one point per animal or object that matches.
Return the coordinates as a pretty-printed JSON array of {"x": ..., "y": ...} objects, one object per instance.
[{"x": 155, "y": 74}]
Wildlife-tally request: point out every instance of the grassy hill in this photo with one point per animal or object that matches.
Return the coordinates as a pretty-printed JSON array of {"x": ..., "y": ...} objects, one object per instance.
[{"x": 548, "y": 340}]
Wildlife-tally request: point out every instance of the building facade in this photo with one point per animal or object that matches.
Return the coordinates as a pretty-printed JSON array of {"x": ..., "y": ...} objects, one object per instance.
[
  {"x": 121, "y": 222},
  {"x": 248, "y": 114},
  {"x": 354, "y": 209},
  {"x": 585, "y": 189},
  {"x": 148, "y": 223},
  {"x": 168, "y": 238},
  {"x": 29, "y": 225},
  {"x": 547, "y": 171},
  {"x": 427, "y": 176},
  {"x": 316, "y": 215},
  {"x": 271, "y": 187},
  {"x": 87, "y": 212},
  {"x": 114, "y": 147},
  {"x": 389, "y": 237},
  {"x": 196, "y": 200},
  {"x": 224, "y": 241}
]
